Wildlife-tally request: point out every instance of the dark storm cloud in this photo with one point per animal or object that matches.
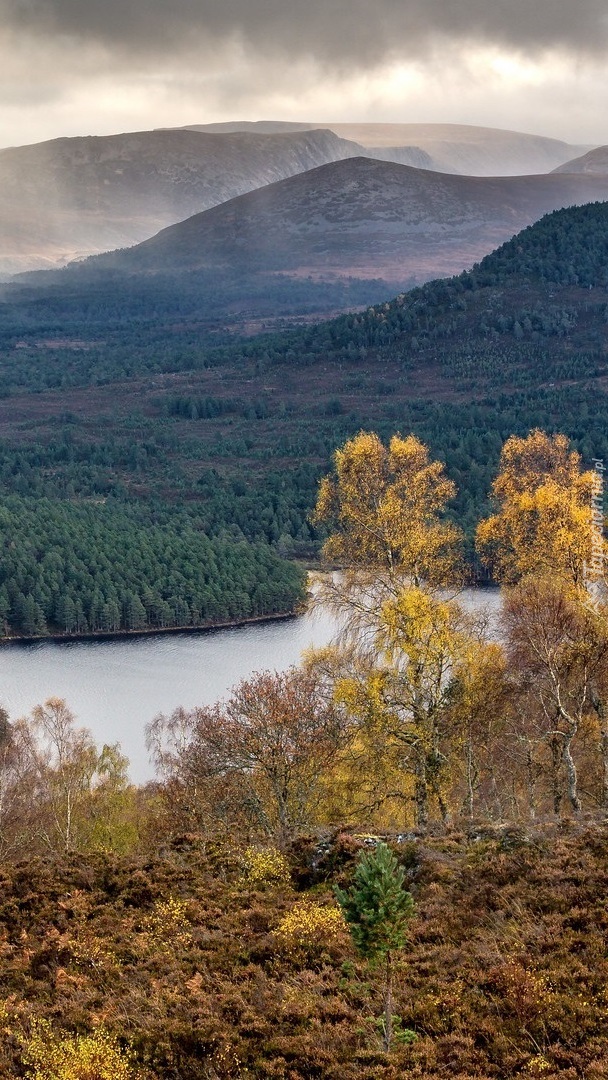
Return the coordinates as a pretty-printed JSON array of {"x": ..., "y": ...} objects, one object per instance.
[{"x": 364, "y": 31}]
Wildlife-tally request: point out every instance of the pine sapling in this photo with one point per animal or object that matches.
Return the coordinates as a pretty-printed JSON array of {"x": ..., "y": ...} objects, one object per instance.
[{"x": 378, "y": 908}]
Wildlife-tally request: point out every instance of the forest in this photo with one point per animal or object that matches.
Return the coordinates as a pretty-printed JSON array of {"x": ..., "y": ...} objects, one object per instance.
[
  {"x": 93, "y": 568},
  {"x": 144, "y": 404},
  {"x": 390, "y": 860},
  {"x": 134, "y": 402}
]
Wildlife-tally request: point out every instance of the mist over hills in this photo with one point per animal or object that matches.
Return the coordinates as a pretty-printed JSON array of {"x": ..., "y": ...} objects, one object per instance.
[
  {"x": 596, "y": 161},
  {"x": 454, "y": 148},
  {"x": 66, "y": 198},
  {"x": 358, "y": 218},
  {"x": 137, "y": 396},
  {"x": 72, "y": 197}
]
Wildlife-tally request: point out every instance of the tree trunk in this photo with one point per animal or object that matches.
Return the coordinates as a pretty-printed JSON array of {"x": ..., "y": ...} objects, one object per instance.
[
  {"x": 557, "y": 755},
  {"x": 472, "y": 776},
  {"x": 531, "y": 782},
  {"x": 388, "y": 1004},
  {"x": 600, "y": 709},
  {"x": 421, "y": 795},
  {"x": 571, "y": 776}
]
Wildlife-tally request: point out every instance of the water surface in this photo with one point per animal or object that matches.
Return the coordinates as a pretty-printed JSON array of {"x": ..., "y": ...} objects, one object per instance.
[{"x": 115, "y": 687}]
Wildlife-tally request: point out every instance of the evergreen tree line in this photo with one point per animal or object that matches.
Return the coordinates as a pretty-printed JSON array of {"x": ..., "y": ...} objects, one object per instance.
[{"x": 78, "y": 569}]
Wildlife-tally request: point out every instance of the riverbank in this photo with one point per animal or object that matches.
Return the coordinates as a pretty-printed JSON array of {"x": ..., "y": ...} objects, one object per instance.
[
  {"x": 115, "y": 686},
  {"x": 152, "y": 631}
]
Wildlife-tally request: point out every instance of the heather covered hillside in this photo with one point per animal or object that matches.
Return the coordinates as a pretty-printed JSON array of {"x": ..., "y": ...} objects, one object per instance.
[
  {"x": 356, "y": 218},
  {"x": 67, "y": 198},
  {"x": 180, "y": 958}
]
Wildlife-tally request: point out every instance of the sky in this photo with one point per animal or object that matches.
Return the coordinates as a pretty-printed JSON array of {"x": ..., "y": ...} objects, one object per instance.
[{"x": 96, "y": 67}]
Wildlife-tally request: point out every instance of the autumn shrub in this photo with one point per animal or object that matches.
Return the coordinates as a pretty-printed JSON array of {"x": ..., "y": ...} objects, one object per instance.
[
  {"x": 49, "y": 1056},
  {"x": 167, "y": 925},
  {"x": 538, "y": 1065},
  {"x": 266, "y": 867},
  {"x": 90, "y": 951},
  {"x": 523, "y": 993},
  {"x": 309, "y": 928}
]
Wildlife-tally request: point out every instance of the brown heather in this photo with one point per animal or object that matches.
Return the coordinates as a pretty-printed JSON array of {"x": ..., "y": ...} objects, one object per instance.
[{"x": 177, "y": 960}]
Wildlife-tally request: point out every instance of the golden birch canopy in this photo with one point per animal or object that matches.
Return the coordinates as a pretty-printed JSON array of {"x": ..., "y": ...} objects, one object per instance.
[
  {"x": 384, "y": 505},
  {"x": 543, "y": 523}
]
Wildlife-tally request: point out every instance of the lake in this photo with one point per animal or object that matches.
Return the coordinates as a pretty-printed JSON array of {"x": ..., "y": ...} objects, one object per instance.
[{"x": 115, "y": 687}]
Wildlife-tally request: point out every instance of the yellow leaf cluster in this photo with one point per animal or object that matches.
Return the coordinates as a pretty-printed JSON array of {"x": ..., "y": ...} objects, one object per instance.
[
  {"x": 544, "y": 520},
  {"x": 416, "y": 625},
  {"x": 75, "y": 1057},
  {"x": 266, "y": 867},
  {"x": 538, "y": 1064},
  {"x": 384, "y": 506},
  {"x": 167, "y": 925},
  {"x": 309, "y": 925}
]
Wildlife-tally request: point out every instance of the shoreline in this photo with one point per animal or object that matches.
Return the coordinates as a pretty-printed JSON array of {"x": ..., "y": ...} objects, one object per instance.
[
  {"x": 153, "y": 631},
  {"x": 156, "y": 631}
]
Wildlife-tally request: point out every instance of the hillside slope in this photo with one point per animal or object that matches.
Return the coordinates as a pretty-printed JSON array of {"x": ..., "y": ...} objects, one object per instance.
[
  {"x": 132, "y": 388},
  {"x": 71, "y": 197},
  {"x": 360, "y": 218},
  {"x": 504, "y": 973},
  {"x": 595, "y": 162},
  {"x": 459, "y": 148}
]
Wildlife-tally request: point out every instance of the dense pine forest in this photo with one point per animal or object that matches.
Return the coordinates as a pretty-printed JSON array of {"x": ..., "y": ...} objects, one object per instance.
[{"x": 85, "y": 568}]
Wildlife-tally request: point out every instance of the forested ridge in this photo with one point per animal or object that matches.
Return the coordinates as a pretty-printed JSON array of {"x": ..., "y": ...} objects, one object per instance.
[{"x": 122, "y": 391}]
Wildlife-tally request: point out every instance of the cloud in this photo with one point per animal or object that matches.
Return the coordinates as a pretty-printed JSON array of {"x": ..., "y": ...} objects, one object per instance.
[
  {"x": 330, "y": 31},
  {"x": 70, "y": 67}
]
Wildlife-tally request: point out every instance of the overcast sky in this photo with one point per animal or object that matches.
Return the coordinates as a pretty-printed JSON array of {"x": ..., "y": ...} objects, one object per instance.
[{"x": 77, "y": 67}]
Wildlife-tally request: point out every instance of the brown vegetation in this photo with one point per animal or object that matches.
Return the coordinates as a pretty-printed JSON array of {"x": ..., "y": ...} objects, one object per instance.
[{"x": 182, "y": 960}]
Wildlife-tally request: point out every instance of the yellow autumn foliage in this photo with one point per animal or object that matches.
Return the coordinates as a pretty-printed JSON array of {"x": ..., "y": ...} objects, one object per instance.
[
  {"x": 543, "y": 523},
  {"x": 167, "y": 925},
  {"x": 266, "y": 867},
  {"x": 400, "y": 692},
  {"x": 384, "y": 505},
  {"x": 50, "y": 1056},
  {"x": 309, "y": 926}
]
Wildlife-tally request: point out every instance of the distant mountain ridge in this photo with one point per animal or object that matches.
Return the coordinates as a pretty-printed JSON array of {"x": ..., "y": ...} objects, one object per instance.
[
  {"x": 71, "y": 197},
  {"x": 359, "y": 218},
  {"x": 453, "y": 148},
  {"x": 592, "y": 163}
]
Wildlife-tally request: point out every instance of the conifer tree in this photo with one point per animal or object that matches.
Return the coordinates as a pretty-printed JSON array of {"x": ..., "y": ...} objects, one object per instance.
[{"x": 378, "y": 909}]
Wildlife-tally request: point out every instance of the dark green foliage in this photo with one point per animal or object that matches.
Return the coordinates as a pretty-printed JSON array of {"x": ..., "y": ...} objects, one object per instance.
[
  {"x": 138, "y": 394},
  {"x": 566, "y": 247},
  {"x": 377, "y": 907},
  {"x": 101, "y": 568}
]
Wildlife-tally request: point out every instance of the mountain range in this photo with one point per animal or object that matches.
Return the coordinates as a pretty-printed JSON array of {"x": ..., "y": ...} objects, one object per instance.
[
  {"x": 66, "y": 198},
  {"x": 72, "y": 197},
  {"x": 457, "y": 148}
]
